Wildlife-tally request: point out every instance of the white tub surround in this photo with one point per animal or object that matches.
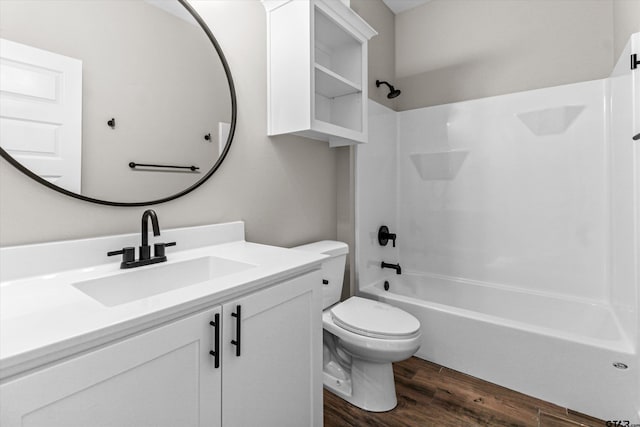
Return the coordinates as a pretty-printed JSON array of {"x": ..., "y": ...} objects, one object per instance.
[
  {"x": 518, "y": 234},
  {"x": 49, "y": 325}
]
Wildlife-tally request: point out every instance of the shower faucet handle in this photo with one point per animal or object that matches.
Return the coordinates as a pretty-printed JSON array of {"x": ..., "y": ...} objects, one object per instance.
[{"x": 384, "y": 236}]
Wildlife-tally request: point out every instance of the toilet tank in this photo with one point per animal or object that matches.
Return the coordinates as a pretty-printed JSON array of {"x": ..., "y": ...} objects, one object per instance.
[{"x": 332, "y": 268}]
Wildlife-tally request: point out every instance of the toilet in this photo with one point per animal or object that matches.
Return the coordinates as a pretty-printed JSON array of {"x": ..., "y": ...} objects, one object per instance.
[{"x": 361, "y": 337}]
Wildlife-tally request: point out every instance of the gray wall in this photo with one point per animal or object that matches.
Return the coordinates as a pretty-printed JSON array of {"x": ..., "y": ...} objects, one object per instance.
[
  {"x": 454, "y": 50},
  {"x": 382, "y": 48},
  {"x": 626, "y": 21},
  {"x": 283, "y": 187}
]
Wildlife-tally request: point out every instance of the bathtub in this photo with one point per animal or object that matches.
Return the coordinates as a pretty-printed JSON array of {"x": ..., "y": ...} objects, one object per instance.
[{"x": 558, "y": 349}]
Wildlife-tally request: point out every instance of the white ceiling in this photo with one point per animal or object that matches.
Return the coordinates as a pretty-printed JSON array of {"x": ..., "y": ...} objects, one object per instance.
[{"x": 398, "y": 6}]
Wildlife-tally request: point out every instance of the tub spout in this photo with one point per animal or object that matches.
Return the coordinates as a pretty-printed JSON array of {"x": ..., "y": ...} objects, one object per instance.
[{"x": 396, "y": 267}]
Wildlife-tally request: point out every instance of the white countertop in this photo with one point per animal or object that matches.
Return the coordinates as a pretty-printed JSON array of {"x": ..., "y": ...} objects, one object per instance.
[{"x": 45, "y": 318}]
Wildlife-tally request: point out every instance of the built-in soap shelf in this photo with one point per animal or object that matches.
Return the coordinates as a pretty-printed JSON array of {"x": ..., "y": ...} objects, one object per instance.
[
  {"x": 439, "y": 165},
  {"x": 550, "y": 121},
  {"x": 330, "y": 84}
]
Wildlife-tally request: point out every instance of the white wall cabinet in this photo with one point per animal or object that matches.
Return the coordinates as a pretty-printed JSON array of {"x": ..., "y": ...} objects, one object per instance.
[
  {"x": 317, "y": 70},
  {"x": 167, "y": 376}
]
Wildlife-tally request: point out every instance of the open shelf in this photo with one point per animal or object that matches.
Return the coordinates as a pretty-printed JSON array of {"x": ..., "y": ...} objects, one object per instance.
[
  {"x": 330, "y": 84},
  {"x": 338, "y": 94},
  {"x": 336, "y": 50},
  {"x": 344, "y": 111}
]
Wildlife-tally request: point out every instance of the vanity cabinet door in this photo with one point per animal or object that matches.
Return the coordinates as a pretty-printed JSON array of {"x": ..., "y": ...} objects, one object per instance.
[
  {"x": 275, "y": 380},
  {"x": 165, "y": 377}
]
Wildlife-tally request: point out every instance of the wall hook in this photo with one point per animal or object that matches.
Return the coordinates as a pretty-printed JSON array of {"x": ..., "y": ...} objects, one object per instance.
[
  {"x": 207, "y": 137},
  {"x": 112, "y": 123}
]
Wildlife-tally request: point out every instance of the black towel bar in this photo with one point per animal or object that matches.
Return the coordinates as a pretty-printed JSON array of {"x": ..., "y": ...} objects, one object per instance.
[{"x": 133, "y": 165}]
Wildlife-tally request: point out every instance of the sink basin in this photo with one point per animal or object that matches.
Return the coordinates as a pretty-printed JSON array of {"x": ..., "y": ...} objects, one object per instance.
[{"x": 132, "y": 285}]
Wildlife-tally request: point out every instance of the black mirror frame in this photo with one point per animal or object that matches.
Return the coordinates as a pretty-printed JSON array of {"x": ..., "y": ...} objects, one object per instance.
[{"x": 215, "y": 167}]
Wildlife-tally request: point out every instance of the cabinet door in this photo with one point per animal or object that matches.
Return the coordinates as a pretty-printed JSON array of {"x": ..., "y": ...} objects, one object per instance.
[
  {"x": 276, "y": 379},
  {"x": 165, "y": 377}
]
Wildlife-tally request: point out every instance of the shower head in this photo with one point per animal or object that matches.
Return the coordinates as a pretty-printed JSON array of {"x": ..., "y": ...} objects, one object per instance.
[{"x": 393, "y": 92}]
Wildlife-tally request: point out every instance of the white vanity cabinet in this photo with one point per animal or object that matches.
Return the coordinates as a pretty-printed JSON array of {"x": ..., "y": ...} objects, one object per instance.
[
  {"x": 164, "y": 377},
  {"x": 317, "y": 70},
  {"x": 167, "y": 377}
]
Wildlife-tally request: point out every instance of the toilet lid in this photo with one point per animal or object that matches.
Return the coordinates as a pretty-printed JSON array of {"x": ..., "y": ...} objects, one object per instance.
[{"x": 374, "y": 319}]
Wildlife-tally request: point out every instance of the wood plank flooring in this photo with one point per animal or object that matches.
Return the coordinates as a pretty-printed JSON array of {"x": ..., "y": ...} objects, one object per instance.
[{"x": 432, "y": 395}]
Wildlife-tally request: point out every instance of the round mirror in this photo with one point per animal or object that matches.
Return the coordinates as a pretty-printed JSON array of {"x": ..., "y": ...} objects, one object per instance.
[{"x": 125, "y": 103}]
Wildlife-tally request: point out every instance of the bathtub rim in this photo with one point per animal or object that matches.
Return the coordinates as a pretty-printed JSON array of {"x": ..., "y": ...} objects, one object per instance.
[{"x": 622, "y": 345}]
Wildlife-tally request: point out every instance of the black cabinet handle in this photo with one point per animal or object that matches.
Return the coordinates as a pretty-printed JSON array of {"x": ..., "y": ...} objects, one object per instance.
[
  {"x": 216, "y": 340},
  {"x": 236, "y": 342}
]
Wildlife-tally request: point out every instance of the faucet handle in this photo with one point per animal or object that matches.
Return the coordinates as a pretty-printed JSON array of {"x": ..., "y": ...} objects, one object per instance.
[
  {"x": 384, "y": 236},
  {"x": 128, "y": 253},
  {"x": 158, "y": 248}
]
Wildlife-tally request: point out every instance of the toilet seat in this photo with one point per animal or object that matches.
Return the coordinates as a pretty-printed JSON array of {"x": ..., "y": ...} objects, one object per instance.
[{"x": 374, "y": 319}]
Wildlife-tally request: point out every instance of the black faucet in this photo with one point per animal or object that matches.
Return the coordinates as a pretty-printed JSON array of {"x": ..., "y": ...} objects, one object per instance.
[
  {"x": 129, "y": 253},
  {"x": 145, "y": 249},
  {"x": 384, "y": 236},
  {"x": 396, "y": 267}
]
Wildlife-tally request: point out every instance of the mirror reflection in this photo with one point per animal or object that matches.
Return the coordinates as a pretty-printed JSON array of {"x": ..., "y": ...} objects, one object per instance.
[{"x": 88, "y": 87}]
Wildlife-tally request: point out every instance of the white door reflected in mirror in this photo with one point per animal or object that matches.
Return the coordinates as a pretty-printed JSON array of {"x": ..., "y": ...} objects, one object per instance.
[{"x": 41, "y": 105}]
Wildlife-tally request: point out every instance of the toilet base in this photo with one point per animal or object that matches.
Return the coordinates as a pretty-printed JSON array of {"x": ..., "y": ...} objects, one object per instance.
[{"x": 371, "y": 386}]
